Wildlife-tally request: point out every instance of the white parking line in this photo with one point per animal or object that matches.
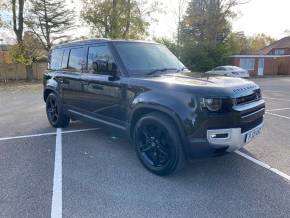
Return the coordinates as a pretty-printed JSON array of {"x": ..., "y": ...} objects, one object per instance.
[
  {"x": 278, "y": 109},
  {"x": 48, "y": 133},
  {"x": 275, "y": 91},
  {"x": 262, "y": 164},
  {"x": 277, "y": 115},
  {"x": 277, "y": 99},
  {"x": 56, "y": 206}
]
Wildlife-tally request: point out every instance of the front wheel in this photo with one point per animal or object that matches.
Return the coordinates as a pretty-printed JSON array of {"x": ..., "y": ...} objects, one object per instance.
[
  {"x": 158, "y": 144},
  {"x": 55, "y": 112}
]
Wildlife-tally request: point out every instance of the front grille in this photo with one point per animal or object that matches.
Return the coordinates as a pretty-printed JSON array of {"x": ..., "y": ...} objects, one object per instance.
[{"x": 249, "y": 98}]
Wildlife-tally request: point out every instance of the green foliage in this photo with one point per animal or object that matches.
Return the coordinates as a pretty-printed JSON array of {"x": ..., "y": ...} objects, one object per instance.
[
  {"x": 205, "y": 30},
  {"x": 28, "y": 51},
  {"x": 203, "y": 57},
  {"x": 240, "y": 44},
  {"x": 259, "y": 41},
  {"x": 18, "y": 53},
  {"x": 118, "y": 18},
  {"x": 170, "y": 44}
]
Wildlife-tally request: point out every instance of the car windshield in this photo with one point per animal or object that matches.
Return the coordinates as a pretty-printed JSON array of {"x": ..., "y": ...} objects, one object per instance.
[{"x": 147, "y": 58}]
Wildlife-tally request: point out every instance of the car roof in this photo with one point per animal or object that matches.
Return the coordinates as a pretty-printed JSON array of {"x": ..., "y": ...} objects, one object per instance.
[
  {"x": 230, "y": 66},
  {"x": 97, "y": 40}
]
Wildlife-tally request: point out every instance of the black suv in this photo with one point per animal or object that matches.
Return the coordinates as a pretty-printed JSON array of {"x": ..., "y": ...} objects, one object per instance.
[{"x": 141, "y": 88}]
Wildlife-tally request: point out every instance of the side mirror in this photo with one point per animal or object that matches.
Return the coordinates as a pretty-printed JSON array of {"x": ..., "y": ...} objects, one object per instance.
[
  {"x": 106, "y": 67},
  {"x": 113, "y": 69},
  {"x": 100, "y": 66}
]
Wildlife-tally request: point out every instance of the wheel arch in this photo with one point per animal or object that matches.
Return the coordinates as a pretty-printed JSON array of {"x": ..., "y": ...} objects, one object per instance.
[
  {"x": 47, "y": 91},
  {"x": 142, "y": 110}
]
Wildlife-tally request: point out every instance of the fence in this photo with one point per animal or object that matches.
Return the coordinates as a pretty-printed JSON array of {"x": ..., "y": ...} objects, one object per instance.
[{"x": 18, "y": 71}]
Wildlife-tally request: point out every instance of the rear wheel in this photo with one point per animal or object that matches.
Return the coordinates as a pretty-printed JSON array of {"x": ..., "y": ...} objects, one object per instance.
[
  {"x": 56, "y": 115},
  {"x": 158, "y": 144}
]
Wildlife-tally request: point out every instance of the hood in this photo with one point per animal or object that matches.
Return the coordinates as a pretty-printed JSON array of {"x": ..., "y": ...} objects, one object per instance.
[{"x": 213, "y": 85}]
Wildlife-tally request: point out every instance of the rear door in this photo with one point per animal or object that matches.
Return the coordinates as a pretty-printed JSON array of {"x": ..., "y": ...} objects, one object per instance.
[{"x": 72, "y": 87}]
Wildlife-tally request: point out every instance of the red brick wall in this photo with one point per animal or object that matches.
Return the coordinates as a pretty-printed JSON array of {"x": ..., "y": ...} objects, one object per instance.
[{"x": 272, "y": 66}]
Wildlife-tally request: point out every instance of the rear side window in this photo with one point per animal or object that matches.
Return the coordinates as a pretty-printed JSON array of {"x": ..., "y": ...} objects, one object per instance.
[
  {"x": 55, "y": 59},
  {"x": 76, "y": 60},
  {"x": 65, "y": 59},
  {"x": 98, "y": 53}
]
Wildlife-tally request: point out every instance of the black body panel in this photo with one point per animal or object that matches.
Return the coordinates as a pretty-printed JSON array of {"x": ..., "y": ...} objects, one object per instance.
[{"x": 119, "y": 101}]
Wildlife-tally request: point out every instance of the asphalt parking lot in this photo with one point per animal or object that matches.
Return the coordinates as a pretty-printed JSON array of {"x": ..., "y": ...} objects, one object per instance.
[{"x": 96, "y": 173}]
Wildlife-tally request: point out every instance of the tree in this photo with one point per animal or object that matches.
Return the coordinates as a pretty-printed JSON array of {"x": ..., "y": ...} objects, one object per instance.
[
  {"x": 205, "y": 29},
  {"x": 170, "y": 44},
  {"x": 209, "y": 20},
  {"x": 180, "y": 11},
  {"x": 28, "y": 51},
  {"x": 259, "y": 41},
  {"x": 118, "y": 18},
  {"x": 18, "y": 19},
  {"x": 48, "y": 20},
  {"x": 240, "y": 44},
  {"x": 2, "y": 4}
]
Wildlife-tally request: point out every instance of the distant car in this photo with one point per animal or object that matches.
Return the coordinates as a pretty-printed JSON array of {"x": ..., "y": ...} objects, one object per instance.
[{"x": 231, "y": 71}]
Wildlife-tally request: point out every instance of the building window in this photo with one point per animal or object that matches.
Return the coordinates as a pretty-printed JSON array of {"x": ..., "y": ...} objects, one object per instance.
[
  {"x": 279, "y": 52},
  {"x": 247, "y": 63}
]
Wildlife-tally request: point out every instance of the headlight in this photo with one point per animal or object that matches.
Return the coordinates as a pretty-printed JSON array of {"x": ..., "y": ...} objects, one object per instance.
[{"x": 212, "y": 104}]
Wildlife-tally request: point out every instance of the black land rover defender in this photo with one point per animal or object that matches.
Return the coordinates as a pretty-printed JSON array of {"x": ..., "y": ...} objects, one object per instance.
[{"x": 143, "y": 89}]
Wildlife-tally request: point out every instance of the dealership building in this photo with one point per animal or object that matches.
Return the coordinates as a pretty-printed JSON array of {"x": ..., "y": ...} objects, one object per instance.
[{"x": 271, "y": 60}]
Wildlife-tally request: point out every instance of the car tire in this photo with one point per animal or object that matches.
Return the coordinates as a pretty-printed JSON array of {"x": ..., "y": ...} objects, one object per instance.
[
  {"x": 55, "y": 112},
  {"x": 158, "y": 145}
]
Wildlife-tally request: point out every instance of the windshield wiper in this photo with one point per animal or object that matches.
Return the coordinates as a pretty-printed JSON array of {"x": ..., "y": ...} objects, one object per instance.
[
  {"x": 160, "y": 70},
  {"x": 183, "y": 69}
]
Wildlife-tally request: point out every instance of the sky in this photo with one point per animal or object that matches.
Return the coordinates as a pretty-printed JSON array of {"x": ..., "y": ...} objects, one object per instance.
[
  {"x": 257, "y": 16},
  {"x": 264, "y": 16}
]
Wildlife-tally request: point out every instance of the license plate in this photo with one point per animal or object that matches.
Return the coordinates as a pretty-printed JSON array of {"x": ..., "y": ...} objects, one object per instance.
[{"x": 252, "y": 134}]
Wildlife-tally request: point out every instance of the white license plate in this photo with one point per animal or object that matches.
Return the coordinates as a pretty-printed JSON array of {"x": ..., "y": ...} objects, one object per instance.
[{"x": 252, "y": 134}]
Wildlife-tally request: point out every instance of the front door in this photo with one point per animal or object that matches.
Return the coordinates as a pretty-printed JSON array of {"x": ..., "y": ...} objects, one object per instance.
[
  {"x": 261, "y": 67},
  {"x": 105, "y": 98}
]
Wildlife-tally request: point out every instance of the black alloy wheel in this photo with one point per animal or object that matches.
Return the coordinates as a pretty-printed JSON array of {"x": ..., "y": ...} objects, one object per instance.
[
  {"x": 55, "y": 113},
  {"x": 158, "y": 145}
]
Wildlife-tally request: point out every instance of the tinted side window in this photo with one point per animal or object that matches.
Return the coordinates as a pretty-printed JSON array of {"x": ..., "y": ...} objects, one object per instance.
[
  {"x": 99, "y": 53},
  {"x": 65, "y": 59},
  {"x": 55, "y": 59},
  {"x": 76, "y": 60}
]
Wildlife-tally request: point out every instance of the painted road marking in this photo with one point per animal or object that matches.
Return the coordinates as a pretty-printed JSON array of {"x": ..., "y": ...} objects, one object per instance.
[
  {"x": 275, "y": 91},
  {"x": 48, "y": 133},
  {"x": 277, "y": 99},
  {"x": 277, "y": 115},
  {"x": 278, "y": 109},
  {"x": 56, "y": 206},
  {"x": 262, "y": 164}
]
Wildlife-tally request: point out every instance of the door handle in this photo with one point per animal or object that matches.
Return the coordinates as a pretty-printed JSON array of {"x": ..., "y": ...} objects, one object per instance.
[
  {"x": 84, "y": 83},
  {"x": 98, "y": 87},
  {"x": 60, "y": 80}
]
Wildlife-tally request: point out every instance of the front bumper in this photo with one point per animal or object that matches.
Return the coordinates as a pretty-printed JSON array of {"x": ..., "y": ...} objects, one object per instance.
[{"x": 232, "y": 138}]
